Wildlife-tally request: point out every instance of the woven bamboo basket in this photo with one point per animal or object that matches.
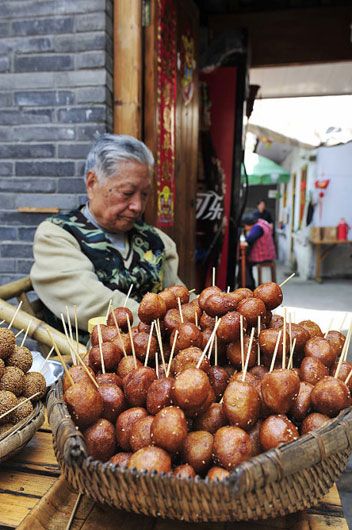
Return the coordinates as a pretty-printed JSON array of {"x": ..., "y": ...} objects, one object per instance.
[
  {"x": 280, "y": 481},
  {"x": 23, "y": 431}
]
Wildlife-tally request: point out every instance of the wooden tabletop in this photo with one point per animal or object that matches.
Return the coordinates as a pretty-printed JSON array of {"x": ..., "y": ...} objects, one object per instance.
[{"x": 33, "y": 496}]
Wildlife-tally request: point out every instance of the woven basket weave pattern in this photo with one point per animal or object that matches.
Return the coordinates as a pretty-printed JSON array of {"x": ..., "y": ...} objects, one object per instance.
[{"x": 274, "y": 483}]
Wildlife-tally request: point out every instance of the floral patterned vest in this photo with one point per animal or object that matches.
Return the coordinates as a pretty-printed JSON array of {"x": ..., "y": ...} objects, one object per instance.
[{"x": 146, "y": 265}]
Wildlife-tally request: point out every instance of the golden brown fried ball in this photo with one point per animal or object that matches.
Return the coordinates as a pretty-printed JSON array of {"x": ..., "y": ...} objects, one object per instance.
[
  {"x": 34, "y": 382},
  {"x": 22, "y": 411},
  {"x": 5, "y": 428},
  {"x": 7, "y": 342},
  {"x": 8, "y": 400},
  {"x": 12, "y": 380},
  {"x": 21, "y": 358}
]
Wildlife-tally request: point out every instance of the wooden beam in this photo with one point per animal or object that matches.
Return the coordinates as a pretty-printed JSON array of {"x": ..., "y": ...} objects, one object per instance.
[{"x": 127, "y": 67}]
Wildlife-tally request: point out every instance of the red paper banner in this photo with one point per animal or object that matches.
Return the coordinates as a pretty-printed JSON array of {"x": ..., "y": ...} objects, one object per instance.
[{"x": 166, "y": 112}]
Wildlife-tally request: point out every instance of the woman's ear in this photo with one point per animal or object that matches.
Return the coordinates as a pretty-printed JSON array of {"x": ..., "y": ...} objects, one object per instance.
[{"x": 91, "y": 183}]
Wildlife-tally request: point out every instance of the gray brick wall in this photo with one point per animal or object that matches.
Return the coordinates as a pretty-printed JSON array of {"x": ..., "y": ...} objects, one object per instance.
[{"x": 55, "y": 97}]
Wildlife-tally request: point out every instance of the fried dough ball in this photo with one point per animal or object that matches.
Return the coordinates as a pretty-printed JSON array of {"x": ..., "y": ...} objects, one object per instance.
[
  {"x": 320, "y": 349},
  {"x": 8, "y": 400},
  {"x": 336, "y": 341},
  {"x": 343, "y": 373},
  {"x": 259, "y": 371},
  {"x": 140, "y": 341},
  {"x": 159, "y": 394},
  {"x": 231, "y": 446},
  {"x": 242, "y": 293},
  {"x": 249, "y": 378},
  {"x": 121, "y": 459},
  {"x": 276, "y": 430},
  {"x": 12, "y": 380},
  {"x": 184, "y": 471},
  {"x": 151, "y": 308},
  {"x": 136, "y": 385},
  {"x": 100, "y": 440},
  {"x": 197, "y": 450},
  {"x": 127, "y": 365},
  {"x": 251, "y": 309},
  {"x": 169, "y": 429},
  {"x": 189, "y": 358},
  {"x": 191, "y": 388},
  {"x": 312, "y": 328},
  {"x": 21, "y": 358},
  {"x": 254, "y": 435},
  {"x": 229, "y": 327},
  {"x": 313, "y": 421},
  {"x": 301, "y": 335},
  {"x": 270, "y": 293},
  {"x": 122, "y": 314},
  {"x": 125, "y": 423},
  {"x": 191, "y": 312},
  {"x": 141, "y": 433},
  {"x": 217, "y": 473},
  {"x": 234, "y": 355},
  {"x": 84, "y": 403},
  {"x": 109, "y": 379},
  {"x": 7, "y": 343},
  {"x": 114, "y": 401},
  {"x": 4, "y": 428},
  {"x": 219, "y": 379},
  {"x": 276, "y": 322},
  {"x": 169, "y": 298},
  {"x": 108, "y": 334},
  {"x": 219, "y": 304},
  {"x": 212, "y": 419},
  {"x": 329, "y": 396},
  {"x": 111, "y": 355},
  {"x": 302, "y": 403},
  {"x": 2, "y": 368},
  {"x": 34, "y": 382},
  {"x": 150, "y": 459},
  {"x": 22, "y": 411},
  {"x": 194, "y": 412},
  {"x": 123, "y": 344},
  {"x": 241, "y": 404},
  {"x": 267, "y": 318},
  {"x": 181, "y": 292},
  {"x": 78, "y": 374},
  {"x": 188, "y": 335},
  {"x": 172, "y": 320},
  {"x": 206, "y": 322},
  {"x": 208, "y": 291},
  {"x": 312, "y": 370},
  {"x": 279, "y": 389},
  {"x": 267, "y": 342}
]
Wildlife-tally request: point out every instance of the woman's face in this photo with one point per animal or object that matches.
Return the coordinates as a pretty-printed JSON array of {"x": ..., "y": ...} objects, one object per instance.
[{"x": 121, "y": 200}]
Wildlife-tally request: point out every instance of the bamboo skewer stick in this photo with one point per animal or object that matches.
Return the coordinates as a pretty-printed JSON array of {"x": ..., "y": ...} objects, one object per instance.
[
  {"x": 213, "y": 277},
  {"x": 119, "y": 334},
  {"x": 18, "y": 405},
  {"x": 100, "y": 340},
  {"x": 195, "y": 318},
  {"x": 284, "y": 340},
  {"x": 149, "y": 343},
  {"x": 60, "y": 356},
  {"x": 2, "y": 322},
  {"x": 85, "y": 368},
  {"x": 191, "y": 291},
  {"x": 132, "y": 343},
  {"x": 242, "y": 340},
  {"x": 207, "y": 346},
  {"x": 344, "y": 351},
  {"x": 25, "y": 335},
  {"x": 180, "y": 309},
  {"x": 258, "y": 333},
  {"x": 109, "y": 310},
  {"x": 329, "y": 327},
  {"x": 76, "y": 328},
  {"x": 67, "y": 338},
  {"x": 172, "y": 353},
  {"x": 216, "y": 351},
  {"x": 343, "y": 321},
  {"x": 290, "y": 361},
  {"x": 248, "y": 354},
  {"x": 47, "y": 357},
  {"x": 73, "y": 513},
  {"x": 275, "y": 351},
  {"x": 15, "y": 314},
  {"x": 287, "y": 279},
  {"x": 347, "y": 380},
  {"x": 290, "y": 330},
  {"x": 19, "y": 333},
  {"x": 160, "y": 342},
  {"x": 157, "y": 364},
  {"x": 71, "y": 336},
  {"x": 128, "y": 295}
]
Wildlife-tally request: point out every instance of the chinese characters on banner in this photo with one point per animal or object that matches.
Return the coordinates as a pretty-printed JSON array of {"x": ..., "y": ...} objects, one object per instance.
[{"x": 166, "y": 113}]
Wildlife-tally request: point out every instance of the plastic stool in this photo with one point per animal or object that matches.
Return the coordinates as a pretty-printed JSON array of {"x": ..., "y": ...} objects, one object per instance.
[{"x": 264, "y": 265}]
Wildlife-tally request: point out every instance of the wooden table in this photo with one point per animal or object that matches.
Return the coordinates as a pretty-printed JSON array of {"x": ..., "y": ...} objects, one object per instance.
[
  {"x": 33, "y": 496},
  {"x": 321, "y": 253}
]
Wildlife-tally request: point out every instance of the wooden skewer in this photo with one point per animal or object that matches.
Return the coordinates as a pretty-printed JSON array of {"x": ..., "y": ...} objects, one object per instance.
[
  {"x": 157, "y": 364},
  {"x": 108, "y": 311},
  {"x": 347, "y": 380},
  {"x": 100, "y": 339},
  {"x": 76, "y": 328},
  {"x": 68, "y": 338},
  {"x": 128, "y": 295},
  {"x": 343, "y": 321},
  {"x": 216, "y": 350},
  {"x": 160, "y": 342},
  {"x": 213, "y": 275},
  {"x": 344, "y": 350},
  {"x": 290, "y": 330},
  {"x": 85, "y": 367},
  {"x": 242, "y": 344},
  {"x": 25, "y": 335},
  {"x": 290, "y": 361},
  {"x": 132, "y": 343},
  {"x": 191, "y": 291},
  {"x": 275, "y": 351},
  {"x": 284, "y": 340},
  {"x": 248, "y": 354},
  {"x": 73, "y": 511},
  {"x": 287, "y": 279},
  {"x": 15, "y": 314},
  {"x": 258, "y": 333},
  {"x": 180, "y": 309},
  {"x": 19, "y": 333},
  {"x": 172, "y": 353},
  {"x": 119, "y": 334},
  {"x": 149, "y": 343},
  {"x": 228, "y": 289},
  {"x": 347, "y": 344},
  {"x": 71, "y": 336},
  {"x": 18, "y": 405},
  {"x": 212, "y": 343},
  {"x": 59, "y": 356},
  {"x": 207, "y": 346},
  {"x": 195, "y": 318},
  {"x": 2, "y": 322},
  {"x": 47, "y": 358},
  {"x": 329, "y": 327}
]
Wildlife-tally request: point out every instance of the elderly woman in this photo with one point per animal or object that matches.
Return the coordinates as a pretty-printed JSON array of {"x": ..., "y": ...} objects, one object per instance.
[{"x": 94, "y": 254}]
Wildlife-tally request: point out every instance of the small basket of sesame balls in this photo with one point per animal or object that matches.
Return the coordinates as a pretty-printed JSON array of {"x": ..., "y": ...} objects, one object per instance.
[{"x": 21, "y": 391}]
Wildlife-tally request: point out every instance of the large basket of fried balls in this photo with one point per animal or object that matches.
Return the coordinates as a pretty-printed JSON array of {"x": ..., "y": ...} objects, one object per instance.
[
  {"x": 185, "y": 423},
  {"x": 21, "y": 411}
]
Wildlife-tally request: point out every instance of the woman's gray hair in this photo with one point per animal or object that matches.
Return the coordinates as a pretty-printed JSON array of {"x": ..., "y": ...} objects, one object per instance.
[{"x": 111, "y": 149}]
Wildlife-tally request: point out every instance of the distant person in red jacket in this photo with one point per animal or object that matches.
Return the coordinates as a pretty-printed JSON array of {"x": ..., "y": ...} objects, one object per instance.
[
  {"x": 259, "y": 239},
  {"x": 262, "y": 213}
]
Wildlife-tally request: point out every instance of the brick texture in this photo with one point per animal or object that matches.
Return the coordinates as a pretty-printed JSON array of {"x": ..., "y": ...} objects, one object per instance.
[{"x": 55, "y": 98}]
